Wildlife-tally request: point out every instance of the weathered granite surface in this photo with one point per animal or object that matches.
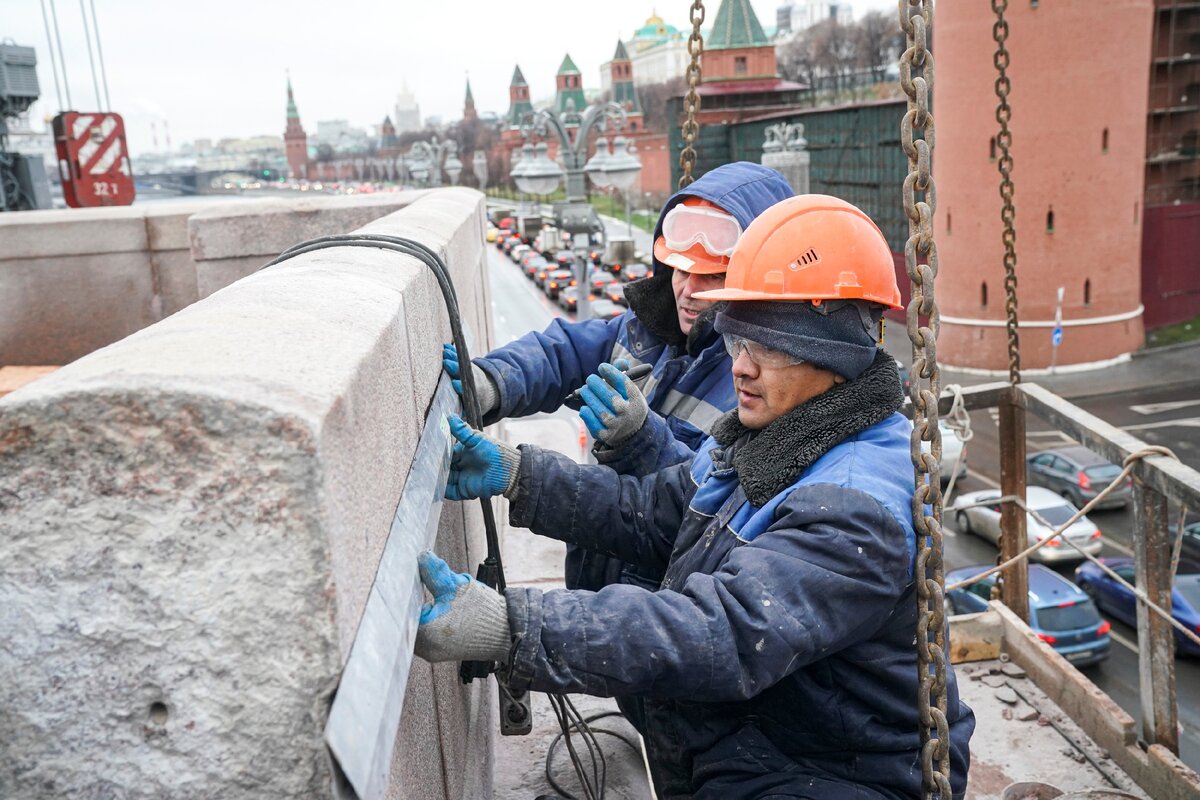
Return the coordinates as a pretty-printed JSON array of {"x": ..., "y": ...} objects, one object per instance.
[{"x": 191, "y": 519}]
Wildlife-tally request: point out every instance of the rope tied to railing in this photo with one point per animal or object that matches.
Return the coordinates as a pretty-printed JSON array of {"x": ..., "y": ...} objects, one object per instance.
[{"x": 1057, "y": 531}]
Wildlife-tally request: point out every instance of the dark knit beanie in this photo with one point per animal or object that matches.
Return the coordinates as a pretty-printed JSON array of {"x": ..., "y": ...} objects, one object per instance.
[{"x": 838, "y": 335}]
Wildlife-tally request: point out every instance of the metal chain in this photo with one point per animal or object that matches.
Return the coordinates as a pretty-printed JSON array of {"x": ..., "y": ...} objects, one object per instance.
[
  {"x": 1007, "y": 212},
  {"x": 921, "y": 262},
  {"x": 691, "y": 128}
]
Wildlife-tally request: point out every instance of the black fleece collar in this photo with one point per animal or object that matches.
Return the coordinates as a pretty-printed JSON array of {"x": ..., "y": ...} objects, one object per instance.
[
  {"x": 652, "y": 301},
  {"x": 770, "y": 460}
]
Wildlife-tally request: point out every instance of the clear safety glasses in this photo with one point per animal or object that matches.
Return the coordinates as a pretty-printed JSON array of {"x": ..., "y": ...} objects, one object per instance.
[
  {"x": 716, "y": 231},
  {"x": 759, "y": 353}
]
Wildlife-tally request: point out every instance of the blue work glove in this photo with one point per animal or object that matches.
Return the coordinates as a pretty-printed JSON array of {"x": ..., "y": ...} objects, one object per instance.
[
  {"x": 485, "y": 390},
  {"x": 466, "y": 621},
  {"x": 481, "y": 466},
  {"x": 614, "y": 407}
]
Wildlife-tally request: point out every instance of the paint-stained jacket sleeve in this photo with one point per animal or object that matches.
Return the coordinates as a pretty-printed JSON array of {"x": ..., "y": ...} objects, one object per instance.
[
  {"x": 653, "y": 448},
  {"x": 534, "y": 373},
  {"x": 634, "y": 519},
  {"x": 826, "y": 575}
]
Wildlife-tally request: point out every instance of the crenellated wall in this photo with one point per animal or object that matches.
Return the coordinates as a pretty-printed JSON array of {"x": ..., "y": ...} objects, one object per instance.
[{"x": 191, "y": 519}]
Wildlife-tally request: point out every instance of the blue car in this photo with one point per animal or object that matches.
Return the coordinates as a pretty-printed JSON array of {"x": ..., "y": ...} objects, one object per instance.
[
  {"x": 1119, "y": 602},
  {"x": 1060, "y": 613}
]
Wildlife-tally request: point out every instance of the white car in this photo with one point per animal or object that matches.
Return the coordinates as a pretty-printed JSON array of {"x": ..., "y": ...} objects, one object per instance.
[
  {"x": 984, "y": 520},
  {"x": 952, "y": 453}
]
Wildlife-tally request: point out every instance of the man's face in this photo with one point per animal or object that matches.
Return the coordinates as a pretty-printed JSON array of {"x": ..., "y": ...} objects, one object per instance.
[
  {"x": 765, "y": 394},
  {"x": 686, "y": 284}
]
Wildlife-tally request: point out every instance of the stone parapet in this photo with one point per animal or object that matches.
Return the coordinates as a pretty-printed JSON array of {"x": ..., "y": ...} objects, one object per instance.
[{"x": 191, "y": 520}]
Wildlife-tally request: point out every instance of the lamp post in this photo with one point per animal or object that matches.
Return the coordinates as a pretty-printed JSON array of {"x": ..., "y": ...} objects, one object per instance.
[
  {"x": 479, "y": 166},
  {"x": 536, "y": 174},
  {"x": 437, "y": 155}
]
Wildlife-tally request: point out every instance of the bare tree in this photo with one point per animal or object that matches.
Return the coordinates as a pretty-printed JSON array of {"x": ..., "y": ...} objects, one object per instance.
[
  {"x": 654, "y": 97},
  {"x": 878, "y": 41}
]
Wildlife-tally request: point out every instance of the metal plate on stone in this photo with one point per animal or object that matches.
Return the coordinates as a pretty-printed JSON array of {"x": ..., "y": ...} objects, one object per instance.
[{"x": 361, "y": 731}]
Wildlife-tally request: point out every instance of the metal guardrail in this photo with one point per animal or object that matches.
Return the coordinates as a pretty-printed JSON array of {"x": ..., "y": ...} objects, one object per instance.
[{"x": 1159, "y": 482}]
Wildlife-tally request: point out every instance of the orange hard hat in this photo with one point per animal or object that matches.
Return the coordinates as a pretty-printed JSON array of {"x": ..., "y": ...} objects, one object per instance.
[
  {"x": 811, "y": 247},
  {"x": 696, "y": 258}
]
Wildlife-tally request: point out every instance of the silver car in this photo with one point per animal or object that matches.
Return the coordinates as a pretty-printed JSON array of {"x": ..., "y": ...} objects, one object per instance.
[
  {"x": 1078, "y": 474},
  {"x": 984, "y": 520}
]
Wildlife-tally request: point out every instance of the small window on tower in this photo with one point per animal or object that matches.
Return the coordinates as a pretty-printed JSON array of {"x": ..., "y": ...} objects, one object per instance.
[
  {"x": 992, "y": 149},
  {"x": 1104, "y": 141},
  {"x": 739, "y": 65},
  {"x": 983, "y": 294},
  {"x": 1087, "y": 293},
  {"x": 1050, "y": 221}
]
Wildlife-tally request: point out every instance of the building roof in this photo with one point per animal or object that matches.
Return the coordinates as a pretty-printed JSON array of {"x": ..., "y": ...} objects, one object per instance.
[
  {"x": 292, "y": 112},
  {"x": 736, "y": 26},
  {"x": 568, "y": 66},
  {"x": 469, "y": 99},
  {"x": 749, "y": 87},
  {"x": 518, "y": 79},
  {"x": 622, "y": 54},
  {"x": 655, "y": 29}
]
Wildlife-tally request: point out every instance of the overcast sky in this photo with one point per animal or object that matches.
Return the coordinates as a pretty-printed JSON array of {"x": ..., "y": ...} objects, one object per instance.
[{"x": 216, "y": 68}]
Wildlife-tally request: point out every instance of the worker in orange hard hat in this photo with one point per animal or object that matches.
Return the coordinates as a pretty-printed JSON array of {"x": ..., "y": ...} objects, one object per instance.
[{"x": 777, "y": 655}]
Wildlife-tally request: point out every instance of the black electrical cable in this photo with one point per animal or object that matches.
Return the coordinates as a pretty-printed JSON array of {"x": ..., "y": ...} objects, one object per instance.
[
  {"x": 592, "y": 730},
  {"x": 492, "y": 569},
  {"x": 492, "y": 564}
]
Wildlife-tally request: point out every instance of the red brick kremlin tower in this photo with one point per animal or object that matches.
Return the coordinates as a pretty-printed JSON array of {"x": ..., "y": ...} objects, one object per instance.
[{"x": 295, "y": 139}]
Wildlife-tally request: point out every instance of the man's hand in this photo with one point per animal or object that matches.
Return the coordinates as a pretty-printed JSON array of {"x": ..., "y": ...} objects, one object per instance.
[
  {"x": 466, "y": 621},
  {"x": 481, "y": 466},
  {"x": 614, "y": 407},
  {"x": 485, "y": 390}
]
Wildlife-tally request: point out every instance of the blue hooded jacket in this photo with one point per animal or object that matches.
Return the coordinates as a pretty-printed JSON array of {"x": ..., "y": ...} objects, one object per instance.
[{"x": 690, "y": 385}]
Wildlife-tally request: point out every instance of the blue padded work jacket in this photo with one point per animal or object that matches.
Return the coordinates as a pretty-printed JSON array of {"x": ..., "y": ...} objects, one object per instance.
[
  {"x": 690, "y": 385},
  {"x": 777, "y": 658}
]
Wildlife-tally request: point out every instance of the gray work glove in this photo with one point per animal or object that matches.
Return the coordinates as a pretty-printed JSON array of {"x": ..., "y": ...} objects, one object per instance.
[
  {"x": 485, "y": 391},
  {"x": 614, "y": 407},
  {"x": 466, "y": 621}
]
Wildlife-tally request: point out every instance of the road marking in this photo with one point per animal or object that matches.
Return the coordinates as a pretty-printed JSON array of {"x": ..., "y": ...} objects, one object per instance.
[
  {"x": 1186, "y": 422},
  {"x": 1121, "y": 640},
  {"x": 1158, "y": 408}
]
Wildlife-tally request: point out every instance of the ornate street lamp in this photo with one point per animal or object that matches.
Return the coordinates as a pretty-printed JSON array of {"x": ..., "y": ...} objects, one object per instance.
[
  {"x": 622, "y": 169},
  {"x": 480, "y": 167},
  {"x": 437, "y": 155}
]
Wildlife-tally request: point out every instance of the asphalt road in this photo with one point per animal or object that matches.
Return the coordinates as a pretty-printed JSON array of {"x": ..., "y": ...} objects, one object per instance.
[{"x": 1169, "y": 417}]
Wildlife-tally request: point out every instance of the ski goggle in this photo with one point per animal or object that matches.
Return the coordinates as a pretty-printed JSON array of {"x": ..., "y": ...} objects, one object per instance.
[
  {"x": 759, "y": 353},
  {"x": 714, "y": 230}
]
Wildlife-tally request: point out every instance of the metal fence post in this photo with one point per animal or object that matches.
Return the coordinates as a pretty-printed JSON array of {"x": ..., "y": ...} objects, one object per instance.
[
  {"x": 1156, "y": 638},
  {"x": 1013, "y": 535}
]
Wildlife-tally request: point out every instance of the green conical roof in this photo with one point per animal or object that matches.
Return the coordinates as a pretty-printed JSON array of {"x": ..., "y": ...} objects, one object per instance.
[
  {"x": 292, "y": 113},
  {"x": 736, "y": 26},
  {"x": 518, "y": 79},
  {"x": 568, "y": 66},
  {"x": 622, "y": 54},
  {"x": 470, "y": 99}
]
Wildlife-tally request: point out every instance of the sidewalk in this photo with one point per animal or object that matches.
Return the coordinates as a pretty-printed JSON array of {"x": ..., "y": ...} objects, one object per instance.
[{"x": 1150, "y": 368}]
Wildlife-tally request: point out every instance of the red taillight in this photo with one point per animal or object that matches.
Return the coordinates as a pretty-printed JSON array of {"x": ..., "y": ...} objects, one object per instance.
[
  {"x": 1085, "y": 482},
  {"x": 1104, "y": 628},
  {"x": 1095, "y": 535},
  {"x": 1055, "y": 542},
  {"x": 1047, "y": 638},
  {"x": 1066, "y": 604},
  {"x": 574, "y": 283}
]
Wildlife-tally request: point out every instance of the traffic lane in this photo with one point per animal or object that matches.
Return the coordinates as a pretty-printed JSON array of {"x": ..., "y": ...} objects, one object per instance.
[
  {"x": 517, "y": 305},
  {"x": 1118, "y": 678}
]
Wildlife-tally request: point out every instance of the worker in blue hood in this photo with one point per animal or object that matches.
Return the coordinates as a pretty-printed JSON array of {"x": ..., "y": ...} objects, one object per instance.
[{"x": 639, "y": 430}]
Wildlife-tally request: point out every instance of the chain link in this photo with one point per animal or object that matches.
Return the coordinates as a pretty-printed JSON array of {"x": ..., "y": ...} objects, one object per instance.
[
  {"x": 1007, "y": 212},
  {"x": 691, "y": 128},
  {"x": 921, "y": 262}
]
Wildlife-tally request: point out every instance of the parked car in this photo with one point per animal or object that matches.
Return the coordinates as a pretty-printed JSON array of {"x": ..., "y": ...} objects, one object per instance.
[
  {"x": 518, "y": 251},
  {"x": 539, "y": 275},
  {"x": 606, "y": 309},
  {"x": 568, "y": 298},
  {"x": 1189, "y": 552},
  {"x": 984, "y": 520},
  {"x": 492, "y": 233},
  {"x": 616, "y": 293},
  {"x": 533, "y": 265},
  {"x": 1078, "y": 474},
  {"x": 565, "y": 259},
  {"x": 634, "y": 271},
  {"x": 952, "y": 452},
  {"x": 599, "y": 278},
  {"x": 1060, "y": 613},
  {"x": 1115, "y": 599},
  {"x": 507, "y": 243},
  {"x": 556, "y": 281}
]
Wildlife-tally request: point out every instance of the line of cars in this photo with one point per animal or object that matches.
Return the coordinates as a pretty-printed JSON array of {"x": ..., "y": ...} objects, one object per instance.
[
  {"x": 1063, "y": 613},
  {"x": 554, "y": 273}
]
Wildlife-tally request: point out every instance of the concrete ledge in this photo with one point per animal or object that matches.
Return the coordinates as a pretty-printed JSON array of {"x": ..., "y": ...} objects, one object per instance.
[{"x": 191, "y": 519}]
